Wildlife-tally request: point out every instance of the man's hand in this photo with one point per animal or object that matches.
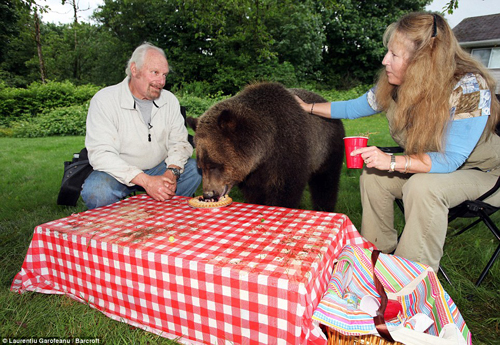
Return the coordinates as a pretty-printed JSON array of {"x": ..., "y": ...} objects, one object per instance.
[{"x": 160, "y": 188}]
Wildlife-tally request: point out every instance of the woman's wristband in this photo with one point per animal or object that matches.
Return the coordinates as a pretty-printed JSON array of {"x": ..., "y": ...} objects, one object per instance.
[
  {"x": 312, "y": 107},
  {"x": 407, "y": 164}
]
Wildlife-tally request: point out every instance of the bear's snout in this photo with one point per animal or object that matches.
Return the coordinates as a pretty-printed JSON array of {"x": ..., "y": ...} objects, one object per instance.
[{"x": 210, "y": 195}]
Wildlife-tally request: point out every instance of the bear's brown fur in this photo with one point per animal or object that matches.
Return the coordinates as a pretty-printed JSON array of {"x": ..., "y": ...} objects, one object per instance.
[{"x": 264, "y": 142}]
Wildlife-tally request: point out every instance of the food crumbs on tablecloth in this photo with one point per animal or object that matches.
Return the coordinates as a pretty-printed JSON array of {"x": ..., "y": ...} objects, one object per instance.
[{"x": 171, "y": 238}]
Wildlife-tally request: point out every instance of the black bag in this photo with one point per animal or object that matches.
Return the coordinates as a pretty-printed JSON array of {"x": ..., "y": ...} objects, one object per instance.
[{"x": 75, "y": 173}]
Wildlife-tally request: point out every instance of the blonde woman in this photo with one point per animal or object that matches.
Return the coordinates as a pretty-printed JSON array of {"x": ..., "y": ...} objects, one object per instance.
[{"x": 441, "y": 108}]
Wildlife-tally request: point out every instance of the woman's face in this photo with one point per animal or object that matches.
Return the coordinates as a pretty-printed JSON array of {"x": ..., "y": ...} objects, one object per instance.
[{"x": 396, "y": 59}]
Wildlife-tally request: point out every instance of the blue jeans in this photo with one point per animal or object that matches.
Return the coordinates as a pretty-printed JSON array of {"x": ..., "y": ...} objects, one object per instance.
[{"x": 101, "y": 189}]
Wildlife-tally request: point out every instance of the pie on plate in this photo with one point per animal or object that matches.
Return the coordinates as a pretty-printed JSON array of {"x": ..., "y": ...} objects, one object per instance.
[{"x": 201, "y": 202}]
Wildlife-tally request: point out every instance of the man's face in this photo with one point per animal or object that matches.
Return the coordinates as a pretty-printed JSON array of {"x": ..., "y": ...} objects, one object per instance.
[{"x": 148, "y": 81}]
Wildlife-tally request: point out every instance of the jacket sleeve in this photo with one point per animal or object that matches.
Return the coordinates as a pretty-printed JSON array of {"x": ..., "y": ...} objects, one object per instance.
[
  {"x": 179, "y": 148},
  {"x": 103, "y": 143}
]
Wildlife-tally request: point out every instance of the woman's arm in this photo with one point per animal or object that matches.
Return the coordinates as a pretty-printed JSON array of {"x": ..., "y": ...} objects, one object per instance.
[
  {"x": 470, "y": 109},
  {"x": 375, "y": 158},
  {"x": 351, "y": 109},
  {"x": 461, "y": 139},
  {"x": 320, "y": 109}
]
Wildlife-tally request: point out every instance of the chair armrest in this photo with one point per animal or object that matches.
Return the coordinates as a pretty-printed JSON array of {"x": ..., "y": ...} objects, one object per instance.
[
  {"x": 393, "y": 149},
  {"x": 491, "y": 191}
]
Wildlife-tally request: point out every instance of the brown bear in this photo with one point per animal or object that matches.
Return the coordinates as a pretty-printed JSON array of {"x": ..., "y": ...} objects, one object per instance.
[{"x": 262, "y": 141}]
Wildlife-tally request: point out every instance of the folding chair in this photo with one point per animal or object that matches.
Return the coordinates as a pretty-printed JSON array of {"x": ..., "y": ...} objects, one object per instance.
[
  {"x": 468, "y": 209},
  {"x": 190, "y": 137},
  {"x": 482, "y": 211}
]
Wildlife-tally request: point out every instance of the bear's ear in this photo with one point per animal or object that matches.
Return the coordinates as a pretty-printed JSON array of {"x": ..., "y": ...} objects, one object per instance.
[
  {"x": 227, "y": 121},
  {"x": 192, "y": 122}
]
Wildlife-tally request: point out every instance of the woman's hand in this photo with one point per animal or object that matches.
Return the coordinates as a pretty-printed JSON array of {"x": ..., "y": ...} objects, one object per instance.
[
  {"x": 303, "y": 104},
  {"x": 319, "y": 109},
  {"x": 374, "y": 157}
]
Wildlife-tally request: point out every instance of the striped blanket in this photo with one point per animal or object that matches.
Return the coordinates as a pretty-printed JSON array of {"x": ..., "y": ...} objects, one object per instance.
[{"x": 414, "y": 285}]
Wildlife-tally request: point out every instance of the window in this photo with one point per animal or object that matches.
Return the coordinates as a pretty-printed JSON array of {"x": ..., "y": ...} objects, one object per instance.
[{"x": 490, "y": 57}]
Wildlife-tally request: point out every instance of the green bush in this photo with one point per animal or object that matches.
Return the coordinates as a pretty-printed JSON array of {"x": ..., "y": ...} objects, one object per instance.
[
  {"x": 61, "y": 108},
  {"x": 17, "y": 103},
  {"x": 61, "y": 121},
  {"x": 343, "y": 95},
  {"x": 196, "y": 106}
]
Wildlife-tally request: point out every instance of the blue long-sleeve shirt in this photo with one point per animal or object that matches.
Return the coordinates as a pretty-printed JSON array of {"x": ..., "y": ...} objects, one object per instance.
[{"x": 463, "y": 132}]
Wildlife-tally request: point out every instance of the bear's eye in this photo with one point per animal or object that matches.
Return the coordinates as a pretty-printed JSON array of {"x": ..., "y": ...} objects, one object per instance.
[{"x": 214, "y": 166}]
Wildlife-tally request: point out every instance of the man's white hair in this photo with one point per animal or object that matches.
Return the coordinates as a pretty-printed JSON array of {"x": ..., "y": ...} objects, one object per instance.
[{"x": 139, "y": 54}]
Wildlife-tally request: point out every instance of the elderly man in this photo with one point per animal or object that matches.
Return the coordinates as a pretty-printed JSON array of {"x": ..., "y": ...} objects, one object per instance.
[{"x": 136, "y": 137}]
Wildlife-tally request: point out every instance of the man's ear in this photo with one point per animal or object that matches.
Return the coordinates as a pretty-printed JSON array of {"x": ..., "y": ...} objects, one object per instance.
[{"x": 133, "y": 69}]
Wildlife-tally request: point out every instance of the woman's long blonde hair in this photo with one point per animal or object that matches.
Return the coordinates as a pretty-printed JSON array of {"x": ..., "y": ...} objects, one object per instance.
[{"x": 435, "y": 65}]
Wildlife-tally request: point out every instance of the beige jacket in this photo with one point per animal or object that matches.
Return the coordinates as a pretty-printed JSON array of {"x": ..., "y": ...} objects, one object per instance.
[{"x": 117, "y": 137}]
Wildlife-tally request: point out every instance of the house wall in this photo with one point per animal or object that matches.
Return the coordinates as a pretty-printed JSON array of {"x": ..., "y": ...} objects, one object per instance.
[
  {"x": 496, "y": 74},
  {"x": 494, "y": 71}
]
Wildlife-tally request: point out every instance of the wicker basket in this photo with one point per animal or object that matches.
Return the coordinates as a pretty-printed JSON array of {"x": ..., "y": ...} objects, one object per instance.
[{"x": 337, "y": 338}]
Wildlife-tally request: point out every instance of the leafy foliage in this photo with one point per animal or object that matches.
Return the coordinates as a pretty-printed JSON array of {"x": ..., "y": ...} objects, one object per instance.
[
  {"x": 62, "y": 122},
  {"x": 220, "y": 44},
  {"x": 451, "y": 6},
  {"x": 354, "y": 51},
  {"x": 60, "y": 109},
  {"x": 17, "y": 46},
  {"x": 20, "y": 103},
  {"x": 8, "y": 28},
  {"x": 196, "y": 106}
]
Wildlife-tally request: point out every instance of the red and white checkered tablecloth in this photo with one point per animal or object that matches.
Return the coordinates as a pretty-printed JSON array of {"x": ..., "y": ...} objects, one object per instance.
[{"x": 240, "y": 274}]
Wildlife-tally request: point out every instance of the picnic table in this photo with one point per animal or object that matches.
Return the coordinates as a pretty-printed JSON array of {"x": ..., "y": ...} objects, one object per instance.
[{"x": 239, "y": 274}]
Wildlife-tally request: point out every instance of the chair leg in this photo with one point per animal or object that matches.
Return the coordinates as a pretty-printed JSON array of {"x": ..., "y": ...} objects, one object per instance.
[
  {"x": 444, "y": 275},
  {"x": 496, "y": 232},
  {"x": 489, "y": 223},
  {"x": 477, "y": 221},
  {"x": 488, "y": 266}
]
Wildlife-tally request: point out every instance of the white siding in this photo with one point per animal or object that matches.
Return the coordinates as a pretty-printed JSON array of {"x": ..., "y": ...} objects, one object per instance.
[{"x": 496, "y": 74}]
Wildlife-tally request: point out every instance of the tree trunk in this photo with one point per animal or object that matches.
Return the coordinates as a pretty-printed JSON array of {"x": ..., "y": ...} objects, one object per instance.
[
  {"x": 76, "y": 63},
  {"x": 39, "y": 47}
]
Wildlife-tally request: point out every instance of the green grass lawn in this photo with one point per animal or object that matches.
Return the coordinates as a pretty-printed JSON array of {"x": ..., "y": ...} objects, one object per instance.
[{"x": 30, "y": 176}]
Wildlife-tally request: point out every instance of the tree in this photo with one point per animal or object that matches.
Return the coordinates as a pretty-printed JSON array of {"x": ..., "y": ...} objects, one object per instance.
[
  {"x": 451, "y": 6},
  {"x": 8, "y": 27},
  {"x": 212, "y": 46},
  {"x": 353, "y": 51},
  {"x": 227, "y": 43},
  {"x": 76, "y": 9},
  {"x": 17, "y": 43},
  {"x": 38, "y": 41}
]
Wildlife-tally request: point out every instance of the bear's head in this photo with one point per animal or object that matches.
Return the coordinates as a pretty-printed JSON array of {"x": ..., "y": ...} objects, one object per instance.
[{"x": 230, "y": 143}]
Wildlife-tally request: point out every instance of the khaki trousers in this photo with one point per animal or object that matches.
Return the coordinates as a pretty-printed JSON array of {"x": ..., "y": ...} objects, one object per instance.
[{"x": 427, "y": 198}]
